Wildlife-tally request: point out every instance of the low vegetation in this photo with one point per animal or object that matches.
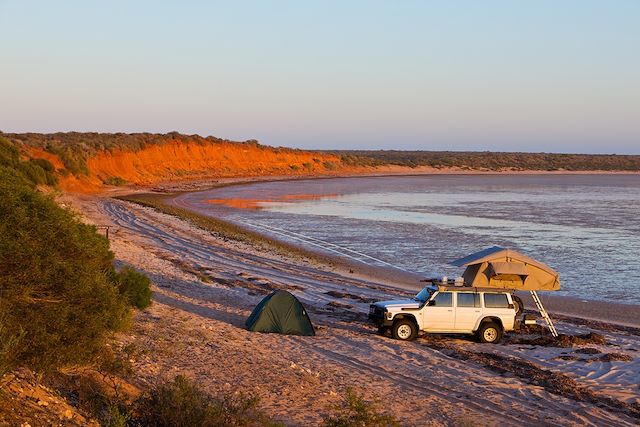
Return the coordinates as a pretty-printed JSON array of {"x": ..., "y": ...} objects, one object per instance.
[
  {"x": 493, "y": 161},
  {"x": 135, "y": 286},
  {"x": 115, "y": 181},
  {"x": 184, "y": 403},
  {"x": 36, "y": 171},
  {"x": 356, "y": 412}
]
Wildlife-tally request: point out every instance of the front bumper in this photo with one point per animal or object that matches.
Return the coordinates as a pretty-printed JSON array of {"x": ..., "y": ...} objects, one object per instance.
[{"x": 378, "y": 317}]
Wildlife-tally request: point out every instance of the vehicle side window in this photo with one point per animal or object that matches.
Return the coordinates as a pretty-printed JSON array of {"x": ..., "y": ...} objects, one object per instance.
[
  {"x": 496, "y": 301},
  {"x": 468, "y": 299},
  {"x": 443, "y": 299}
]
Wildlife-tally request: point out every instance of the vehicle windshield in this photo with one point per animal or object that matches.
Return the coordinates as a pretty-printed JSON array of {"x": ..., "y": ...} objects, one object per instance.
[{"x": 424, "y": 295}]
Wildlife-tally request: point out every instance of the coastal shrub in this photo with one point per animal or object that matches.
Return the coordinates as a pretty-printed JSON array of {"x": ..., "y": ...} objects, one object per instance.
[
  {"x": 116, "y": 181},
  {"x": 356, "y": 412},
  {"x": 182, "y": 402},
  {"x": 73, "y": 156},
  {"x": 135, "y": 286},
  {"x": 9, "y": 155},
  {"x": 330, "y": 165},
  {"x": 56, "y": 290},
  {"x": 9, "y": 341},
  {"x": 114, "y": 415},
  {"x": 38, "y": 171},
  {"x": 488, "y": 160}
]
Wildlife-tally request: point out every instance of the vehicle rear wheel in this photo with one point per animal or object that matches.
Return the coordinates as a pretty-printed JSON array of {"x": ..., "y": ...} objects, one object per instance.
[
  {"x": 519, "y": 305},
  {"x": 404, "y": 330},
  {"x": 490, "y": 332}
]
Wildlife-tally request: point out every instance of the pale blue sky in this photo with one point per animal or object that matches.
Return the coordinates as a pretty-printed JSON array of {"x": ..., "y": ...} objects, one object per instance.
[{"x": 560, "y": 76}]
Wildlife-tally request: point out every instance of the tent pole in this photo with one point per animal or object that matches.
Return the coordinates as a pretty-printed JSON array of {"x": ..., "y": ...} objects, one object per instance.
[{"x": 544, "y": 313}]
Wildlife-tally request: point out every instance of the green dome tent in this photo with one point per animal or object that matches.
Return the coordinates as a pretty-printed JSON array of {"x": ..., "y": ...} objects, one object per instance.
[{"x": 282, "y": 313}]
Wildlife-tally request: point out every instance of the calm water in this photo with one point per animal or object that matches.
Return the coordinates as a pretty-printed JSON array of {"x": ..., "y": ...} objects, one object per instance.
[{"x": 587, "y": 227}]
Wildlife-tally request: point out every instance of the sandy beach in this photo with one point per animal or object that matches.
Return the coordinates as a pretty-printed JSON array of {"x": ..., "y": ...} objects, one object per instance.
[{"x": 205, "y": 286}]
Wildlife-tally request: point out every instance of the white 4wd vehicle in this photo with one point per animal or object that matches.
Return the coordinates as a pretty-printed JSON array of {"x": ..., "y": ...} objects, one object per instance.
[{"x": 485, "y": 312}]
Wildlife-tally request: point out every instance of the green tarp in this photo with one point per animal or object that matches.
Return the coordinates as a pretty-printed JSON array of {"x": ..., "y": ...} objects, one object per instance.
[{"x": 282, "y": 313}]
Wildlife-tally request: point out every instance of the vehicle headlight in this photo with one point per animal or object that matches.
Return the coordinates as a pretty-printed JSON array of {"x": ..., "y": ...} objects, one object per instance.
[{"x": 389, "y": 315}]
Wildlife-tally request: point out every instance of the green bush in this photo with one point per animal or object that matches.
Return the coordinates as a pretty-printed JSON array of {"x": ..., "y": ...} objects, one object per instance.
[
  {"x": 135, "y": 287},
  {"x": 183, "y": 403},
  {"x": 56, "y": 289},
  {"x": 356, "y": 412}
]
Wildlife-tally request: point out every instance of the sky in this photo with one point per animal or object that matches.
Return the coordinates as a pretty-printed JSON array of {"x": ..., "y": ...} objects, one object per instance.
[{"x": 554, "y": 76}]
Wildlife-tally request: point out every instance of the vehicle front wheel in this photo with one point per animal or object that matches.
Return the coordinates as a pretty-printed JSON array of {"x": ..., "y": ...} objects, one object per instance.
[
  {"x": 404, "y": 330},
  {"x": 490, "y": 333}
]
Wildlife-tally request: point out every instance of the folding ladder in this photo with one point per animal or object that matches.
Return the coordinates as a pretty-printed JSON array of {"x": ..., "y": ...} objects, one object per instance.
[{"x": 544, "y": 313}]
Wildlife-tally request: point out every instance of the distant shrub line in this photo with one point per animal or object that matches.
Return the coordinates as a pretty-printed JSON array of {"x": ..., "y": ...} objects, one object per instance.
[
  {"x": 74, "y": 148},
  {"x": 490, "y": 160}
]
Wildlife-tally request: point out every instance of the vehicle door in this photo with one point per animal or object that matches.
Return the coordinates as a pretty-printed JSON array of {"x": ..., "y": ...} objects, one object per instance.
[
  {"x": 438, "y": 313},
  {"x": 498, "y": 304},
  {"x": 468, "y": 311}
]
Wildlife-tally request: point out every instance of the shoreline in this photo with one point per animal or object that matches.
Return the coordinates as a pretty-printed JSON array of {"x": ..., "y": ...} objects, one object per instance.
[
  {"x": 190, "y": 185},
  {"x": 408, "y": 283}
]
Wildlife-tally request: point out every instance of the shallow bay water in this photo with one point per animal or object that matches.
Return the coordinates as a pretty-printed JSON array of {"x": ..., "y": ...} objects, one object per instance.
[{"x": 587, "y": 227}]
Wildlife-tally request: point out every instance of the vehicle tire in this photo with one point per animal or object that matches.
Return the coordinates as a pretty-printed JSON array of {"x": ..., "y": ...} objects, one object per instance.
[
  {"x": 404, "y": 330},
  {"x": 490, "y": 332},
  {"x": 519, "y": 305}
]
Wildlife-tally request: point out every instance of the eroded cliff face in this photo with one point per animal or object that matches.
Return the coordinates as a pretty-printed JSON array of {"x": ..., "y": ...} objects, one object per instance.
[{"x": 179, "y": 160}]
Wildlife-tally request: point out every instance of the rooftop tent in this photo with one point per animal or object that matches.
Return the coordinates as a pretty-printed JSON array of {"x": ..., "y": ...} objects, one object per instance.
[
  {"x": 280, "y": 312},
  {"x": 498, "y": 267}
]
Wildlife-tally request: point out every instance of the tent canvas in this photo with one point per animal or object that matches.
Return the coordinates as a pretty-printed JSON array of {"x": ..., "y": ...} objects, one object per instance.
[
  {"x": 498, "y": 267},
  {"x": 280, "y": 312}
]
